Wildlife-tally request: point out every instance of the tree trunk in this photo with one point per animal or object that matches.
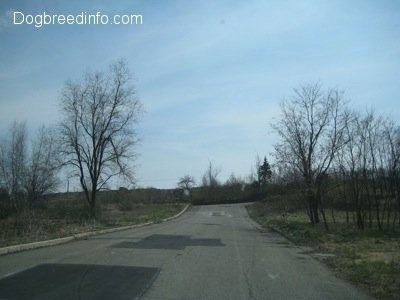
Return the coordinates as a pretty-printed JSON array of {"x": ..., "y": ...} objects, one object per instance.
[
  {"x": 95, "y": 205},
  {"x": 360, "y": 219},
  {"x": 313, "y": 208},
  {"x": 324, "y": 218},
  {"x": 91, "y": 199}
]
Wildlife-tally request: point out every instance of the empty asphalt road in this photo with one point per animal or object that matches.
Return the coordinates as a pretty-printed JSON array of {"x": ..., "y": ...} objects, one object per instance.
[{"x": 210, "y": 252}]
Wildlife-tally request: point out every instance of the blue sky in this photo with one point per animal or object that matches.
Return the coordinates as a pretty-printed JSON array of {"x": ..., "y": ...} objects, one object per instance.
[{"x": 210, "y": 74}]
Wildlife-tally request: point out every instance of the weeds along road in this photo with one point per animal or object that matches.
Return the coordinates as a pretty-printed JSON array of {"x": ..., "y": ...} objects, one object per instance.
[{"x": 211, "y": 252}]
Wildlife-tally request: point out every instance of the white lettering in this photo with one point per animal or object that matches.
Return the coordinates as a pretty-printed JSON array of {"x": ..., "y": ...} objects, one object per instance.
[
  {"x": 70, "y": 19},
  {"x": 29, "y": 19},
  {"x": 39, "y": 20},
  {"x": 80, "y": 19},
  {"x": 61, "y": 19},
  {"x": 21, "y": 14},
  {"x": 103, "y": 19}
]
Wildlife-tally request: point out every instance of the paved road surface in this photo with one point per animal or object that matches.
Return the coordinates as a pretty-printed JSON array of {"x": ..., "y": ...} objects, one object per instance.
[{"x": 211, "y": 252}]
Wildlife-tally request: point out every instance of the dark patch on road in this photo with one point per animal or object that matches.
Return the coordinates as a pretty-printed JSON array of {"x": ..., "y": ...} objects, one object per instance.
[
  {"x": 72, "y": 281},
  {"x": 217, "y": 214},
  {"x": 169, "y": 242}
]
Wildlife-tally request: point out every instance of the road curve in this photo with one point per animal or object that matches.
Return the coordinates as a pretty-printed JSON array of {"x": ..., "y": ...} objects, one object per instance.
[{"x": 211, "y": 252}]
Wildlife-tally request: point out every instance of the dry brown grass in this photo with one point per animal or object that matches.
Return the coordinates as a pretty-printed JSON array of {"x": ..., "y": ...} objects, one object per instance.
[
  {"x": 370, "y": 258},
  {"x": 65, "y": 216}
]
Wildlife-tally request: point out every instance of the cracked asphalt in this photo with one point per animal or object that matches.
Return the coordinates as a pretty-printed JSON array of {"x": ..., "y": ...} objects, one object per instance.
[
  {"x": 211, "y": 252},
  {"x": 251, "y": 264}
]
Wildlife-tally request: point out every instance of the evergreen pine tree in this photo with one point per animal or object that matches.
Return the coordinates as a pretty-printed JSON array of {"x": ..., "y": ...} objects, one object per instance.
[{"x": 264, "y": 172}]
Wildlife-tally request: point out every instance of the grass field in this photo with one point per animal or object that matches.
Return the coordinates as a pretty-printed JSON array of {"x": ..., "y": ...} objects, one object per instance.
[
  {"x": 370, "y": 259},
  {"x": 66, "y": 215}
]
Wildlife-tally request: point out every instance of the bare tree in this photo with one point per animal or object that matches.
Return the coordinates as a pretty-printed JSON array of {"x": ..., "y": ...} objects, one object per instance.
[
  {"x": 186, "y": 183},
  {"x": 12, "y": 164},
  {"x": 311, "y": 131},
  {"x": 209, "y": 178},
  {"x": 97, "y": 131},
  {"x": 369, "y": 169},
  {"x": 234, "y": 180},
  {"x": 392, "y": 135},
  {"x": 349, "y": 162},
  {"x": 43, "y": 165},
  {"x": 210, "y": 183},
  {"x": 254, "y": 176}
]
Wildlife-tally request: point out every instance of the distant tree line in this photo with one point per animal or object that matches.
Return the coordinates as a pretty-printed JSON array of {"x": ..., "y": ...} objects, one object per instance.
[{"x": 235, "y": 189}]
